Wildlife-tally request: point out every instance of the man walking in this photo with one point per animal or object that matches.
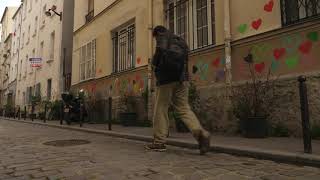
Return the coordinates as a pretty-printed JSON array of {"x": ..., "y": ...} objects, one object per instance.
[{"x": 170, "y": 64}]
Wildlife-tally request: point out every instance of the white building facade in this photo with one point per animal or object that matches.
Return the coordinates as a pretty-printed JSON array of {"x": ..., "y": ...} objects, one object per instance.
[{"x": 40, "y": 37}]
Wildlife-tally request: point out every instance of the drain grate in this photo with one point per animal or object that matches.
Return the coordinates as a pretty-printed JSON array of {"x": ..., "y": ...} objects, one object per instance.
[{"x": 66, "y": 143}]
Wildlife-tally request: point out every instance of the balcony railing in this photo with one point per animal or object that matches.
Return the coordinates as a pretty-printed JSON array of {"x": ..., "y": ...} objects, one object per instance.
[{"x": 89, "y": 16}]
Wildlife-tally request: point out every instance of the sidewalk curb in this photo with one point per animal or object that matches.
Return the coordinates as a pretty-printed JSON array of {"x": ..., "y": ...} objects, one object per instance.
[{"x": 280, "y": 156}]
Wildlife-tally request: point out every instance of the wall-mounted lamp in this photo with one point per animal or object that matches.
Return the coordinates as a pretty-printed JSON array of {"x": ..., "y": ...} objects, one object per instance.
[{"x": 53, "y": 9}]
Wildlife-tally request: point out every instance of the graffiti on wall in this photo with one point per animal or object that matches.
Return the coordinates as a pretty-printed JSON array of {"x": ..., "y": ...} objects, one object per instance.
[
  {"x": 131, "y": 85},
  {"x": 209, "y": 69},
  {"x": 257, "y": 22},
  {"x": 290, "y": 53}
]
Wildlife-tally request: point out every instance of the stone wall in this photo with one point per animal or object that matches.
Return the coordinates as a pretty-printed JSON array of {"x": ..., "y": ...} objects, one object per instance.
[{"x": 215, "y": 112}]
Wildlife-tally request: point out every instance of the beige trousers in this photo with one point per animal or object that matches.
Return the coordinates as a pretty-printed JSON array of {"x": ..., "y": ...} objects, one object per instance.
[{"x": 177, "y": 95}]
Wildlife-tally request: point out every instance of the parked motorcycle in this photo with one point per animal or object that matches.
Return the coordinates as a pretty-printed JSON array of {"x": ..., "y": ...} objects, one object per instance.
[{"x": 72, "y": 107}]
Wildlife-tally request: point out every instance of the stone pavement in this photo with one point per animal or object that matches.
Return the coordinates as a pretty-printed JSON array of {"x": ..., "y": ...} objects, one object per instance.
[
  {"x": 24, "y": 156},
  {"x": 290, "y": 145}
]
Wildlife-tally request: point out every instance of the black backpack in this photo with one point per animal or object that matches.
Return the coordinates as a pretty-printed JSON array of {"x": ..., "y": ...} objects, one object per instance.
[{"x": 176, "y": 56}]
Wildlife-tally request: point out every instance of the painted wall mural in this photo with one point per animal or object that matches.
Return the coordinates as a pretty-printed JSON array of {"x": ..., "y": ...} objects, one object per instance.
[
  {"x": 294, "y": 53},
  {"x": 257, "y": 22},
  {"x": 133, "y": 83},
  {"x": 208, "y": 68}
]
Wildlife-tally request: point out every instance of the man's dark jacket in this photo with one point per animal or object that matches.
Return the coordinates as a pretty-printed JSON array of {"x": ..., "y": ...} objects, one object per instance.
[{"x": 162, "y": 54}]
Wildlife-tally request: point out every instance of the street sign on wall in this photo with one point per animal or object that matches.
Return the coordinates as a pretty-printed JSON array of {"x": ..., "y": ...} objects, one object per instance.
[{"x": 35, "y": 62}]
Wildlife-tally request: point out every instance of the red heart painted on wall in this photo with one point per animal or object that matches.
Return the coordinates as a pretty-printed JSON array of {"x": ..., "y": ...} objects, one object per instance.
[
  {"x": 216, "y": 62},
  {"x": 259, "y": 67},
  {"x": 138, "y": 77},
  {"x": 278, "y": 53},
  {"x": 305, "y": 47},
  {"x": 268, "y": 7},
  {"x": 139, "y": 60},
  {"x": 256, "y": 24}
]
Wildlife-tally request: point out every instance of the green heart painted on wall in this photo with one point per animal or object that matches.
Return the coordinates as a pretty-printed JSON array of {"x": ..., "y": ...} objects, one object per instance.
[
  {"x": 242, "y": 28},
  {"x": 292, "y": 62},
  {"x": 313, "y": 36},
  {"x": 274, "y": 65},
  {"x": 260, "y": 52}
]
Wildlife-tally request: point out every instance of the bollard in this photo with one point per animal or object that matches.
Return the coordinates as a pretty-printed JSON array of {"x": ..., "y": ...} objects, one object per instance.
[
  {"x": 14, "y": 113},
  {"x": 25, "y": 112},
  {"x": 110, "y": 114},
  {"x": 32, "y": 112},
  {"x": 66, "y": 114},
  {"x": 305, "y": 115},
  {"x": 81, "y": 113},
  {"x": 45, "y": 113},
  {"x": 61, "y": 113},
  {"x": 19, "y": 113}
]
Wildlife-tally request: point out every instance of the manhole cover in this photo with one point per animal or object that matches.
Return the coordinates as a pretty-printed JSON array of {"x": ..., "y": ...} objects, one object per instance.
[{"x": 64, "y": 143}]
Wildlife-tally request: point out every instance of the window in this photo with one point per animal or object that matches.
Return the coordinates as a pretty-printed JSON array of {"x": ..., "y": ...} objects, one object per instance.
[
  {"x": 90, "y": 14},
  {"x": 24, "y": 97},
  {"x": 41, "y": 50},
  {"x": 26, "y": 65},
  {"x": 35, "y": 25},
  {"x": 38, "y": 90},
  {"x": 20, "y": 70},
  {"x": 193, "y": 20},
  {"x": 29, "y": 95},
  {"x": 296, "y": 10},
  {"x": 29, "y": 28},
  {"x": 49, "y": 86},
  {"x": 124, "y": 49},
  {"x": 25, "y": 9},
  {"x": 18, "y": 44},
  {"x": 43, "y": 15},
  {"x": 22, "y": 43},
  {"x": 52, "y": 39},
  {"x": 13, "y": 48},
  {"x": 88, "y": 61},
  {"x": 30, "y": 5}
]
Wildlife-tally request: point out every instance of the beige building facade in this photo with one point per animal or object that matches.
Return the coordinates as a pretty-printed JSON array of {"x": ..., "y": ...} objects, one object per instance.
[
  {"x": 113, "y": 47},
  {"x": 7, "y": 93}
]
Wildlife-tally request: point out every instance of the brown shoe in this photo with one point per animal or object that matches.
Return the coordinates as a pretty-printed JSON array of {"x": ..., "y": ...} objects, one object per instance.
[
  {"x": 158, "y": 147},
  {"x": 204, "y": 143}
]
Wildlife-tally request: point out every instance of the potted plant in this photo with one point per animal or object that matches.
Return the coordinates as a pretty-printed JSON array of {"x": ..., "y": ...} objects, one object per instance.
[
  {"x": 252, "y": 102},
  {"x": 128, "y": 115},
  {"x": 35, "y": 100}
]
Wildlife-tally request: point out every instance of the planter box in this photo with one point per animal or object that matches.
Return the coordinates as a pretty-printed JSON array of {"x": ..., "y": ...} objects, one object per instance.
[
  {"x": 255, "y": 127},
  {"x": 128, "y": 119}
]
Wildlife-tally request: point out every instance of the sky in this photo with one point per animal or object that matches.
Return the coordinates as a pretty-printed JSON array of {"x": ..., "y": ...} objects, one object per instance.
[{"x": 4, "y": 3}]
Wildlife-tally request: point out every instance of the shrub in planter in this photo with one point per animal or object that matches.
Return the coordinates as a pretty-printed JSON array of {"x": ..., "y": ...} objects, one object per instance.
[
  {"x": 252, "y": 102},
  {"x": 279, "y": 130},
  {"x": 128, "y": 115},
  {"x": 315, "y": 131},
  {"x": 55, "y": 109}
]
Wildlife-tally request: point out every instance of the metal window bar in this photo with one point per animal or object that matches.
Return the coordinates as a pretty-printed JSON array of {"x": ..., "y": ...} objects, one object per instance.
[
  {"x": 293, "y": 11},
  {"x": 124, "y": 49},
  {"x": 189, "y": 19}
]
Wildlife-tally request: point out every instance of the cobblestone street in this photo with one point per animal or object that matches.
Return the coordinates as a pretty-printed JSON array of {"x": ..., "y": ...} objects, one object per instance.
[{"x": 24, "y": 156}]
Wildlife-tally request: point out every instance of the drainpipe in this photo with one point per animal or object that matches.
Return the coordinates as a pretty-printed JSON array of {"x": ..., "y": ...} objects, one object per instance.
[
  {"x": 227, "y": 40},
  {"x": 228, "y": 68},
  {"x": 150, "y": 24}
]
